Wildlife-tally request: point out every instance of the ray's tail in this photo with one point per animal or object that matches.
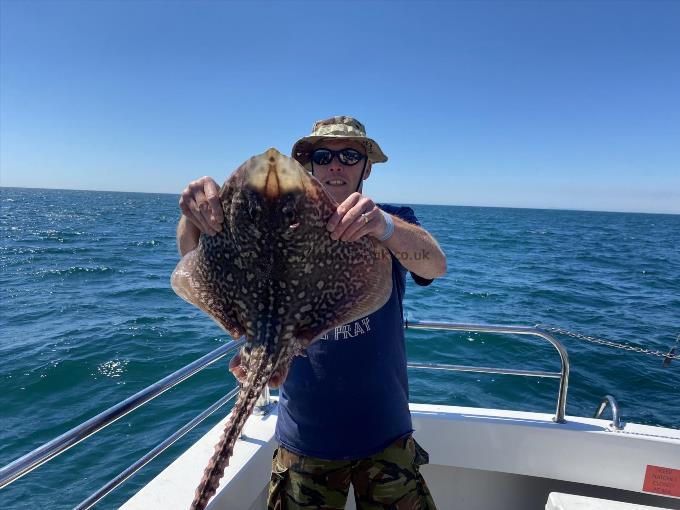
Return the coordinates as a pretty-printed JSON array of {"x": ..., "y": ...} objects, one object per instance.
[{"x": 260, "y": 368}]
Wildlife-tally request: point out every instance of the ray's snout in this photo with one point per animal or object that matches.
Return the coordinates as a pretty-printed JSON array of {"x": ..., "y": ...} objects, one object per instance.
[{"x": 272, "y": 175}]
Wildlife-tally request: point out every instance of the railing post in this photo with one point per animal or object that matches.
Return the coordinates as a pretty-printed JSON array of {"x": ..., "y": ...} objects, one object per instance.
[
  {"x": 616, "y": 419},
  {"x": 264, "y": 404}
]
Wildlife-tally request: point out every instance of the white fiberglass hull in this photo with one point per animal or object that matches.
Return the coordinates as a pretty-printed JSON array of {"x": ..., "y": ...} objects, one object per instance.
[{"x": 480, "y": 459}]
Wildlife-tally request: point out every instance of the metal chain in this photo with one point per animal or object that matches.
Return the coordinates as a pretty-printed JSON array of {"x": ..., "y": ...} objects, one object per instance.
[{"x": 666, "y": 355}]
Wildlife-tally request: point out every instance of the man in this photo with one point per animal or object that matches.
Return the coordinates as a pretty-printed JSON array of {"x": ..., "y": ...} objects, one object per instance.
[{"x": 343, "y": 409}]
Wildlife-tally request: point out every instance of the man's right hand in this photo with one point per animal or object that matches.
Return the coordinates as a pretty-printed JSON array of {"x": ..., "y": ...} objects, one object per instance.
[{"x": 200, "y": 203}]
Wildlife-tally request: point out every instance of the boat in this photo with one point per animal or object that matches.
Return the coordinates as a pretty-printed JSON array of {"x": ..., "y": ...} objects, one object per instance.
[{"x": 480, "y": 458}]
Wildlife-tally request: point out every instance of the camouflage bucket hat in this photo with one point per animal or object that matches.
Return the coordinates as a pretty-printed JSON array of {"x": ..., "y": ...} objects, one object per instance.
[{"x": 337, "y": 127}]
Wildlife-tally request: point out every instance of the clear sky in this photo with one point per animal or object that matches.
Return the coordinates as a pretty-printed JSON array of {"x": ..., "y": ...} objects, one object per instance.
[{"x": 571, "y": 105}]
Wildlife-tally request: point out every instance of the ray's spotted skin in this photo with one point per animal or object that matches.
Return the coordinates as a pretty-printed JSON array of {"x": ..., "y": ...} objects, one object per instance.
[{"x": 275, "y": 275}]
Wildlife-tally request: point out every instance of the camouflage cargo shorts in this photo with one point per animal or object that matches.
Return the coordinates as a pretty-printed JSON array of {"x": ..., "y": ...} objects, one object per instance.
[{"x": 389, "y": 479}]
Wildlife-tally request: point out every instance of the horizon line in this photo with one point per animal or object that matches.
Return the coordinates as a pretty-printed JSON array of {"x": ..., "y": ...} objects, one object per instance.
[{"x": 403, "y": 203}]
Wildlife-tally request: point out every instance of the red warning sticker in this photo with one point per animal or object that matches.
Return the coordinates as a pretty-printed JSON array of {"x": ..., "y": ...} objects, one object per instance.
[{"x": 662, "y": 480}]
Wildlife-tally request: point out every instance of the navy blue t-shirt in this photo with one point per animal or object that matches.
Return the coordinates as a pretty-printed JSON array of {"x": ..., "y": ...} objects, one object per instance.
[{"x": 348, "y": 398}]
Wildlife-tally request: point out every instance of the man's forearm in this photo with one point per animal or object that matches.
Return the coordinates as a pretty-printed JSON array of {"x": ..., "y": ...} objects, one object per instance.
[
  {"x": 187, "y": 236},
  {"x": 416, "y": 249}
]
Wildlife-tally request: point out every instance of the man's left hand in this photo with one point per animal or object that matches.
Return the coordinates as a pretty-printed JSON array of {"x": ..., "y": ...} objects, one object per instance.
[{"x": 356, "y": 217}]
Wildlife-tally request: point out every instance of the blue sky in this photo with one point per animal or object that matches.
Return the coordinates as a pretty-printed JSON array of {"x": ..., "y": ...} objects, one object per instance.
[{"x": 572, "y": 105}]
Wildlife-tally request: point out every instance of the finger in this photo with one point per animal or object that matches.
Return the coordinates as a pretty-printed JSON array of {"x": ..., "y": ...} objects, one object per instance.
[
  {"x": 204, "y": 207},
  {"x": 352, "y": 218},
  {"x": 239, "y": 373},
  {"x": 190, "y": 210},
  {"x": 212, "y": 195},
  {"x": 376, "y": 226},
  {"x": 361, "y": 226},
  {"x": 184, "y": 203},
  {"x": 187, "y": 204},
  {"x": 236, "y": 368},
  {"x": 342, "y": 209},
  {"x": 351, "y": 230},
  {"x": 235, "y": 361},
  {"x": 362, "y": 231},
  {"x": 346, "y": 221},
  {"x": 198, "y": 219},
  {"x": 278, "y": 377},
  {"x": 194, "y": 222},
  {"x": 275, "y": 380}
]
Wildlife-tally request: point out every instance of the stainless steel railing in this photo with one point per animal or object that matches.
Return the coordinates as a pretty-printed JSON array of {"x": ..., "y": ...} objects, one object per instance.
[
  {"x": 563, "y": 375},
  {"x": 48, "y": 451},
  {"x": 117, "y": 480},
  {"x": 44, "y": 453}
]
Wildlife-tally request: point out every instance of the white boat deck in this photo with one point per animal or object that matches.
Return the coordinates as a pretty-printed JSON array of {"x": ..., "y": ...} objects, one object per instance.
[{"x": 480, "y": 459}]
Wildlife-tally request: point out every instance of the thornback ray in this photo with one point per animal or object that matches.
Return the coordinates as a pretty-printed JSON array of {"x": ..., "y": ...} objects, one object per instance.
[{"x": 274, "y": 274}]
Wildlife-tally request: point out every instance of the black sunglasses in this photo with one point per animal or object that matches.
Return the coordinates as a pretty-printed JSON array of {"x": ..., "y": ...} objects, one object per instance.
[{"x": 348, "y": 157}]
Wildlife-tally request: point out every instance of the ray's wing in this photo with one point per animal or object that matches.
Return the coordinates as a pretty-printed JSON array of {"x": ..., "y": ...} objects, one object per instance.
[
  {"x": 339, "y": 282},
  {"x": 204, "y": 277}
]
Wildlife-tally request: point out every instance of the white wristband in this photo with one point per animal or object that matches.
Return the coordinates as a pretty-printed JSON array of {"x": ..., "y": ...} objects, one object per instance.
[{"x": 390, "y": 227}]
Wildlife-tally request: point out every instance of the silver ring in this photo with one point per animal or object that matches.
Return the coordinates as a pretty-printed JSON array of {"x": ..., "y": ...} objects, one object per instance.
[{"x": 365, "y": 217}]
